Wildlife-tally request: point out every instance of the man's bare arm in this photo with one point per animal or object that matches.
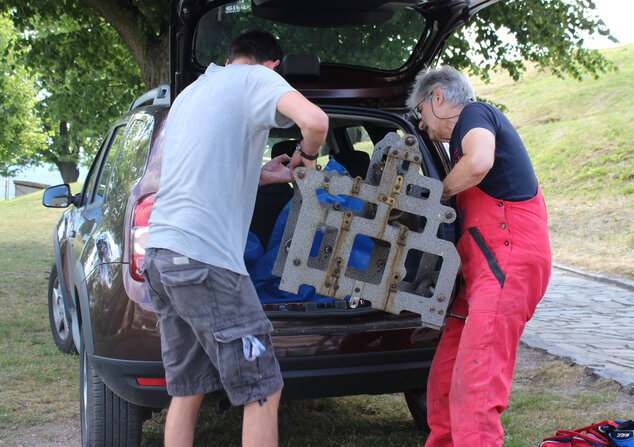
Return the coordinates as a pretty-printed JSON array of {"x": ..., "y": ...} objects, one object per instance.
[{"x": 312, "y": 121}]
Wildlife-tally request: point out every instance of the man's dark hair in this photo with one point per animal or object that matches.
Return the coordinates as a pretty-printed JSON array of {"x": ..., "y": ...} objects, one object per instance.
[{"x": 257, "y": 45}]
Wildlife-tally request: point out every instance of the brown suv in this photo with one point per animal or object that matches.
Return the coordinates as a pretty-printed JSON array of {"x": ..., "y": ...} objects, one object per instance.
[{"x": 356, "y": 59}]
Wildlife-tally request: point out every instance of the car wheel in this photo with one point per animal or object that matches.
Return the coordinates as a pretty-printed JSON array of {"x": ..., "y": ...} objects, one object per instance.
[
  {"x": 60, "y": 325},
  {"x": 417, "y": 403},
  {"x": 106, "y": 419}
]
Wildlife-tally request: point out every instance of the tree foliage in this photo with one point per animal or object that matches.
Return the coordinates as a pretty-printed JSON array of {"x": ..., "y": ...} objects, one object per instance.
[
  {"x": 86, "y": 78},
  {"x": 89, "y": 79},
  {"x": 549, "y": 33},
  {"x": 21, "y": 137}
]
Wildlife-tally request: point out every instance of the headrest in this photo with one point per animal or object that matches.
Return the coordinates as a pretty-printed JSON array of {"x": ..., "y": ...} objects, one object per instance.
[
  {"x": 355, "y": 162},
  {"x": 300, "y": 65},
  {"x": 283, "y": 147}
]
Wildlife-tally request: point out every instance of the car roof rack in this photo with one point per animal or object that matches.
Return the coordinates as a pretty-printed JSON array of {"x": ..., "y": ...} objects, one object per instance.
[{"x": 157, "y": 96}]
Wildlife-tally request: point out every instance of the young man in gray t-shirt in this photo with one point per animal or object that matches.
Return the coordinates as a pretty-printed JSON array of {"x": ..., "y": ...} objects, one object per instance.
[{"x": 214, "y": 333}]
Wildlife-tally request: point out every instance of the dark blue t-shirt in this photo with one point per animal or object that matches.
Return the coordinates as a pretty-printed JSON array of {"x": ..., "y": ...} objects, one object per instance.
[{"x": 512, "y": 176}]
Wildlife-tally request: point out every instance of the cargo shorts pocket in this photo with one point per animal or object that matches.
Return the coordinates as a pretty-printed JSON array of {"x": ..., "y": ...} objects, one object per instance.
[
  {"x": 156, "y": 295},
  {"x": 188, "y": 289},
  {"x": 245, "y": 353}
]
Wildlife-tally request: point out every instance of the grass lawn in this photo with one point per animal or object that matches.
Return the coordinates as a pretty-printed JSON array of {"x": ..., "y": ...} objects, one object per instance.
[{"x": 37, "y": 382}]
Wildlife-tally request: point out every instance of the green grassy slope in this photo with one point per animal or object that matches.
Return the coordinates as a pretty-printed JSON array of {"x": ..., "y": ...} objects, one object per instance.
[
  {"x": 580, "y": 136},
  {"x": 39, "y": 384}
]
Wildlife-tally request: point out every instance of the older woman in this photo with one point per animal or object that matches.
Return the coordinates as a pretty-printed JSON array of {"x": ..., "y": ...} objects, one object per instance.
[{"x": 505, "y": 254}]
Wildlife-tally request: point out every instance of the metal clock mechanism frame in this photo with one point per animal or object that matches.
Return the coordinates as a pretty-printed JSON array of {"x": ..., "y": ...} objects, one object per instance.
[{"x": 395, "y": 221}]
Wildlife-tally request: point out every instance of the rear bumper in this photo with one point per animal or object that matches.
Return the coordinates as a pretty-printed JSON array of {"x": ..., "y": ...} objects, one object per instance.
[
  {"x": 304, "y": 377},
  {"x": 352, "y": 374}
]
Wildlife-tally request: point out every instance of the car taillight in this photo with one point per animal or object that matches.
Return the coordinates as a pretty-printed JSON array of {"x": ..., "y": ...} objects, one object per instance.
[
  {"x": 151, "y": 382},
  {"x": 138, "y": 235}
]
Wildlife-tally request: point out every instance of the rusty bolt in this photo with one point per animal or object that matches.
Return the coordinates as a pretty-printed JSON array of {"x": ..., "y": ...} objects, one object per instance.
[
  {"x": 433, "y": 309},
  {"x": 448, "y": 215},
  {"x": 296, "y": 261},
  {"x": 410, "y": 140},
  {"x": 441, "y": 298},
  {"x": 336, "y": 205},
  {"x": 393, "y": 286},
  {"x": 338, "y": 261},
  {"x": 380, "y": 263},
  {"x": 300, "y": 174},
  {"x": 440, "y": 312}
]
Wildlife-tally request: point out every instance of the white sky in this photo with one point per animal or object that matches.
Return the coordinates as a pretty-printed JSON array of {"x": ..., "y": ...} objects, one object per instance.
[{"x": 617, "y": 15}]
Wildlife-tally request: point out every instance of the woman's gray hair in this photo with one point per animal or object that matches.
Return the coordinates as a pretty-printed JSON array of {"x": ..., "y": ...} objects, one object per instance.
[{"x": 455, "y": 86}]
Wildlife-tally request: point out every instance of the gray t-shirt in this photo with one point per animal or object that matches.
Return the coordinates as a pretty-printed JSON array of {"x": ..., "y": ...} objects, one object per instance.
[{"x": 215, "y": 137}]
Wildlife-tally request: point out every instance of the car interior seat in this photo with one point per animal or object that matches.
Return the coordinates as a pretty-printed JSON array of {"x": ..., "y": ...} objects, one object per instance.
[
  {"x": 355, "y": 162},
  {"x": 284, "y": 147}
]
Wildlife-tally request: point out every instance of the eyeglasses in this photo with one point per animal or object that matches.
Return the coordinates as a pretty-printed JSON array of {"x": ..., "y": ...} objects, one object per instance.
[{"x": 416, "y": 112}]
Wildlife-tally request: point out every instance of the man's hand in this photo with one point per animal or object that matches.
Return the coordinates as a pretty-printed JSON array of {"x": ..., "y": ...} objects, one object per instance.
[
  {"x": 275, "y": 172},
  {"x": 298, "y": 160}
]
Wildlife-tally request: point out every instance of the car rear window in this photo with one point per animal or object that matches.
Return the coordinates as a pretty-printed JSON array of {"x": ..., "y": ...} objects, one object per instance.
[{"x": 384, "y": 46}]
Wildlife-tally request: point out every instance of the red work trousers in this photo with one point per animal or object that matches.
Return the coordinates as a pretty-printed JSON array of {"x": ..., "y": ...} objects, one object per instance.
[{"x": 506, "y": 264}]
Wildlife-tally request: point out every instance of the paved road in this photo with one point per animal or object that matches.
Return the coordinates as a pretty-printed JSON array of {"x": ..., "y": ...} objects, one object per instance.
[{"x": 588, "y": 321}]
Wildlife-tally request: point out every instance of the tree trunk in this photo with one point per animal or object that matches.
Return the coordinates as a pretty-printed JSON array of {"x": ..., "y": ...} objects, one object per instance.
[
  {"x": 155, "y": 65},
  {"x": 151, "y": 51},
  {"x": 62, "y": 149},
  {"x": 69, "y": 171}
]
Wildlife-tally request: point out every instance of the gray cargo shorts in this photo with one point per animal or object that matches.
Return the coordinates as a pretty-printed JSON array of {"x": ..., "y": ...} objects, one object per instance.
[{"x": 214, "y": 333}]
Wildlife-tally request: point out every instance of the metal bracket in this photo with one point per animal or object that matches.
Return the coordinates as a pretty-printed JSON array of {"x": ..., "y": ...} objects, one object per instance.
[
  {"x": 404, "y": 265},
  {"x": 356, "y": 186}
]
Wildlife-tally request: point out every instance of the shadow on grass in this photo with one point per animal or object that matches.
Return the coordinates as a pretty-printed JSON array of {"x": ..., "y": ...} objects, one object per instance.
[{"x": 336, "y": 422}]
